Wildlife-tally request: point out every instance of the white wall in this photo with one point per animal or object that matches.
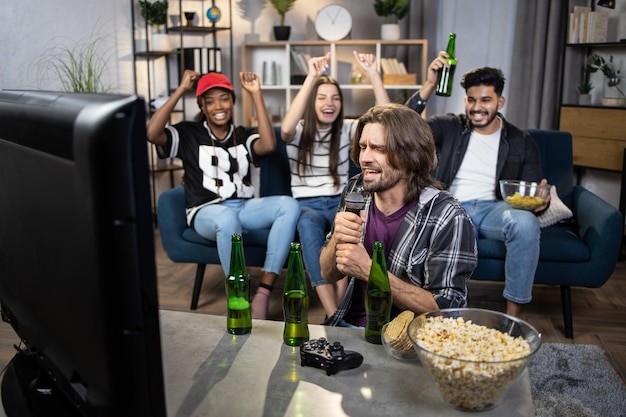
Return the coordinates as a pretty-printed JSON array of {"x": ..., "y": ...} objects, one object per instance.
[{"x": 30, "y": 28}]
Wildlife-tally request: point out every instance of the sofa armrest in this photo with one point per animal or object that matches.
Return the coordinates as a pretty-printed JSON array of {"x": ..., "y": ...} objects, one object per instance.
[
  {"x": 172, "y": 219},
  {"x": 600, "y": 226}
]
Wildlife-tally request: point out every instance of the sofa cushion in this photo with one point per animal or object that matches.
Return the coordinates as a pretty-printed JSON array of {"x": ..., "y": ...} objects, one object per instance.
[
  {"x": 561, "y": 243},
  {"x": 558, "y": 243},
  {"x": 556, "y": 212}
]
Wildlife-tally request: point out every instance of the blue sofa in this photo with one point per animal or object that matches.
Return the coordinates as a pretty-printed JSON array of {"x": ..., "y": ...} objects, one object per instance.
[{"x": 582, "y": 253}]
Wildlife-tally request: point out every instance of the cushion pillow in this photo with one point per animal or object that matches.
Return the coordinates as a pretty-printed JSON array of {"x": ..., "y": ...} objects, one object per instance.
[{"x": 556, "y": 212}]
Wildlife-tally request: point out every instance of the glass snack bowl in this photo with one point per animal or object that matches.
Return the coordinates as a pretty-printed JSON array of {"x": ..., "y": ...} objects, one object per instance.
[
  {"x": 525, "y": 195},
  {"x": 473, "y": 355},
  {"x": 403, "y": 352}
]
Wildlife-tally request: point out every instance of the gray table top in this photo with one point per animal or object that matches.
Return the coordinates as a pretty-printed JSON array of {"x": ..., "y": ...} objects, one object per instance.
[{"x": 209, "y": 372}]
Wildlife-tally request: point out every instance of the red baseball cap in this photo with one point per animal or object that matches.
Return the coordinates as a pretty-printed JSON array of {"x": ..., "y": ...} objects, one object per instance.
[{"x": 212, "y": 80}]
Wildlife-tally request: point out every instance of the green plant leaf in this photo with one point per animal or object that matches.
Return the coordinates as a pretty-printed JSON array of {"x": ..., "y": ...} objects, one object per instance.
[
  {"x": 77, "y": 68},
  {"x": 155, "y": 13},
  {"x": 392, "y": 8},
  {"x": 585, "y": 88},
  {"x": 597, "y": 63},
  {"x": 282, "y": 7}
]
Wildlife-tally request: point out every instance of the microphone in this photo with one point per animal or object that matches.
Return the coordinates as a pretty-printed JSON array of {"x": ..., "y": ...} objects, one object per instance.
[{"x": 355, "y": 203}]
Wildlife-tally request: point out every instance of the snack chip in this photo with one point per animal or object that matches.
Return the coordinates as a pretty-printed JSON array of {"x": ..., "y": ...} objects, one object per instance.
[{"x": 396, "y": 333}]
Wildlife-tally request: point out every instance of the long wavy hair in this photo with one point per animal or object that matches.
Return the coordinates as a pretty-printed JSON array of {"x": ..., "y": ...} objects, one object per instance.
[
  {"x": 309, "y": 132},
  {"x": 409, "y": 145}
]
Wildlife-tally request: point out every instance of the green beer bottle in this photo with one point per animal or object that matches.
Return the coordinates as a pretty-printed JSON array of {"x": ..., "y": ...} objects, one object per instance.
[
  {"x": 378, "y": 296},
  {"x": 239, "y": 316},
  {"x": 445, "y": 78},
  {"x": 295, "y": 300}
]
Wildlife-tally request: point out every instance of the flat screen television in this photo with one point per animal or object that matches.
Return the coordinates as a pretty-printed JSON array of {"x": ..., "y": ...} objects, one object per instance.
[{"x": 77, "y": 266}]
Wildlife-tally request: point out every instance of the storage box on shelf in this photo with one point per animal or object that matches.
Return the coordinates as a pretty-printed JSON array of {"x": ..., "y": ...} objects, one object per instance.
[{"x": 281, "y": 57}]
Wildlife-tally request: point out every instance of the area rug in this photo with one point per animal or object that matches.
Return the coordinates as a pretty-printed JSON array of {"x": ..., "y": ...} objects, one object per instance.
[{"x": 575, "y": 381}]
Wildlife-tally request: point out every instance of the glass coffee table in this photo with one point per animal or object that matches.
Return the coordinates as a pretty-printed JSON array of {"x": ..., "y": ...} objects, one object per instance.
[{"x": 209, "y": 372}]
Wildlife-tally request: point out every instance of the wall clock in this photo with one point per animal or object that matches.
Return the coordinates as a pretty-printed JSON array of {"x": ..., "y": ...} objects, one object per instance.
[{"x": 333, "y": 22}]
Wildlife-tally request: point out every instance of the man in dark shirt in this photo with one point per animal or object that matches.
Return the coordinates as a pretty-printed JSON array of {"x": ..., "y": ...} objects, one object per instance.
[{"x": 478, "y": 149}]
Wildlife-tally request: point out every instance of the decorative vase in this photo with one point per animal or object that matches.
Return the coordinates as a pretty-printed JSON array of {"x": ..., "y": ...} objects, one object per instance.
[
  {"x": 584, "y": 99},
  {"x": 390, "y": 32},
  {"x": 175, "y": 19},
  {"x": 160, "y": 40},
  {"x": 251, "y": 37},
  {"x": 190, "y": 16},
  {"x": 281, "y": 33},
  {"x": 613, "y": 92}
]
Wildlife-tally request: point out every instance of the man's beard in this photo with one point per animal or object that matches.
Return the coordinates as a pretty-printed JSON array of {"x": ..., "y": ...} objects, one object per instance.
[
  {"x": 490, "y": 118},
  {"x": 385, "y": 182}
]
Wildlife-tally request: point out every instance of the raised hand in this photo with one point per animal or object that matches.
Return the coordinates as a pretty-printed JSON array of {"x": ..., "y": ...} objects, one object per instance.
[
  {"x": 319, "y": 64},
  {"x": 250, "y": 81}
]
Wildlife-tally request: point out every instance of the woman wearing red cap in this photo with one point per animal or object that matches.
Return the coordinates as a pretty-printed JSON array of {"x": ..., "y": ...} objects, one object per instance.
[
  {"x": 217, "y": 158},
  {"x": 318, "y": 144}
]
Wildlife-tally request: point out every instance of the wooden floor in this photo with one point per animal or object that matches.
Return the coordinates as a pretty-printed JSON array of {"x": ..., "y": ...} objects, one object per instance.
[{"x": 599, "y": 314}]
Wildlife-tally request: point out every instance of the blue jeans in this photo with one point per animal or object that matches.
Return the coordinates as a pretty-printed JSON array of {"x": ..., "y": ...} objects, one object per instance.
[
  {"x": 520, "y": 231},
  {"x": 317, "y": 214},
  {"x": 218, "y": 222}
]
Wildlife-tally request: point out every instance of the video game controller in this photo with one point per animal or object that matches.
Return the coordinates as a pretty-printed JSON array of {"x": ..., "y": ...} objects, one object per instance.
[{"x": 320, "y": 353}]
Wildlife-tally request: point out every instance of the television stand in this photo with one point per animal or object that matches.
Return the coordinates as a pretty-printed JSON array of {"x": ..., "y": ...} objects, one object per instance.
[{"x": 27, "y": 390}]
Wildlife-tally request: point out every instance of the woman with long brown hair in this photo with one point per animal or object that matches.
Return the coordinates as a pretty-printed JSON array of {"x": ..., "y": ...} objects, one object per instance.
[{"x": 318, "y": 142}]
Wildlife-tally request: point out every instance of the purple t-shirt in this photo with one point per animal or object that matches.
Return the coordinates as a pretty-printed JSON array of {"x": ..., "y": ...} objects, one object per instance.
[{"x": 378, "y": 228}]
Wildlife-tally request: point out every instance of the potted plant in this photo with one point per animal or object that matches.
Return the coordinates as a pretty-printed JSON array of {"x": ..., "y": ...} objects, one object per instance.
[
  {"x": 391, "y": 11},
  {"x": 282, "y": 32},
  {"x": 250, "y": 10},
  {"x": 584, "y": 93},
  {"x": 612, "y": 92},
  {"x": 78, "y": 68},
  {"x": 155, "y": 14}
]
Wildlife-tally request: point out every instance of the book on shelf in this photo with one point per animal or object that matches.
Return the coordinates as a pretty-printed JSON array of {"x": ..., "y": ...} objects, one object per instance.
[
  {"x": 301, "y": 60},
  {"x": 598, "y": 27},
  {"x": 392, "y": 66},
  {"x": 395, "y": 73},
  {"x": 203, "y": 60},
  {"x": 575, "y": 18},
  {"x": 587, "y": 26}
]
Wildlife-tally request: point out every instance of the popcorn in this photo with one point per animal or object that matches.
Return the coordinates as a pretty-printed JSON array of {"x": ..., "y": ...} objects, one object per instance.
[{"x": 472, "y": 365}]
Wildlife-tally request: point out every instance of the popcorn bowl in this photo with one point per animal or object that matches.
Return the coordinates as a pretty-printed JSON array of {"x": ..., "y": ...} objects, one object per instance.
[
  {"x": 525, "y": 195},
  {"x": 473, "y": 355}
]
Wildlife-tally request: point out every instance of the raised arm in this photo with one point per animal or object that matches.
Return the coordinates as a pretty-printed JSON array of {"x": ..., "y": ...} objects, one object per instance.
[
  {"x": 317, "y": 66},
  {"x": 418, "y": 100},
  {"x": 370, "y": 66},
  {"x": 158, "y": 121},
  {"x": 267, "y": 142}
]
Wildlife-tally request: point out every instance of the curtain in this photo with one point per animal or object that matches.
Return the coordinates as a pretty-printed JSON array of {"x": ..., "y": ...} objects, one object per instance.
[{"x": 535, "y": 82}]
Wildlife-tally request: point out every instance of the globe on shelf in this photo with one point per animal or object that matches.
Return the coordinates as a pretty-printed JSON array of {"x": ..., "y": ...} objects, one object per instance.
[{"x": 213, "y": 14}]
